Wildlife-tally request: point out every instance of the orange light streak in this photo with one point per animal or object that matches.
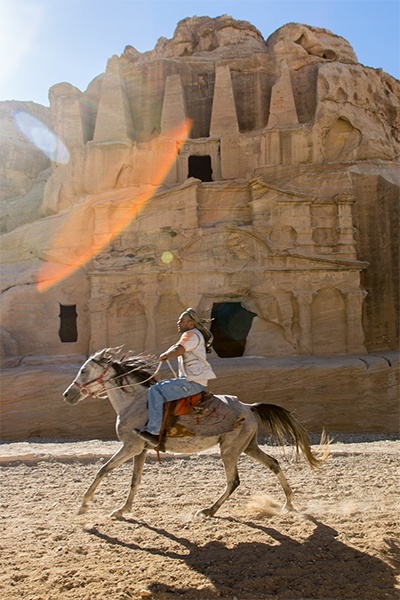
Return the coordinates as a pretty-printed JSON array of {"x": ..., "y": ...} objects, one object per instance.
[{"x": 51, "y": 274}]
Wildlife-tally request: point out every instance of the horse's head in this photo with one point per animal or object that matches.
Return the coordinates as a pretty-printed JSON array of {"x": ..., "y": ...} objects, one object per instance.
[{"x": 92, "y": 375}]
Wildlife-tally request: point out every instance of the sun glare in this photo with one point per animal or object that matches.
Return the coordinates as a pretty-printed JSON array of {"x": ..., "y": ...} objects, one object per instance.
[
  {"x": 20, "y": 24},
  {"x": 41, "y": 137},
  {"x": 51, "y": 274}
]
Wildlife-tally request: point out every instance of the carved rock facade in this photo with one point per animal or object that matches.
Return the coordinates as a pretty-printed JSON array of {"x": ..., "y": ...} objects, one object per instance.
[{"x": 282, "y": 198}]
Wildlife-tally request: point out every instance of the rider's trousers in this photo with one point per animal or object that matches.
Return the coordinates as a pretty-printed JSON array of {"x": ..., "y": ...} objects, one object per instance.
[{"x": 166, "y": 391}]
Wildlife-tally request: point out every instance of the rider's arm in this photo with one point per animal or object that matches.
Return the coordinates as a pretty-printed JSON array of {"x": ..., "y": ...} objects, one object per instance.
[{"x": 172, "y": 352}]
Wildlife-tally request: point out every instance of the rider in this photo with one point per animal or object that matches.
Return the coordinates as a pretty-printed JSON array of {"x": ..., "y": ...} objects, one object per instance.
[{"x": 194, "y": 371}]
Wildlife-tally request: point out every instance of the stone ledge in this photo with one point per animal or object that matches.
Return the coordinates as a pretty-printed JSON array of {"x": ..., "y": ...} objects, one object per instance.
[{"x": 357, "y": 394}]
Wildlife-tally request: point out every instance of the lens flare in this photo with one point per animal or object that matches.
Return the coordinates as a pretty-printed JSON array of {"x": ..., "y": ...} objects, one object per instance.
[
  {"x": 119, "y": 218},
  {"x": 167, "y": 257},
  {"x": 40, "y": 136}
]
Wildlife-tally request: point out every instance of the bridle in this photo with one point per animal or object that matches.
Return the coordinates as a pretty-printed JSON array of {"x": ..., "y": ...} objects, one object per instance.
[
  {"x": 84, "y": 388},
  {"x": 102, "y": 393}
]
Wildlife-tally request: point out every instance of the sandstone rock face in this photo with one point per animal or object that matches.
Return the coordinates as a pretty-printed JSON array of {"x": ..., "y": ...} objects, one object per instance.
[
  {"x": 255, "y": 180},
  {"x": 24, "y": 169},
  {"x": 316, "y": 389}
]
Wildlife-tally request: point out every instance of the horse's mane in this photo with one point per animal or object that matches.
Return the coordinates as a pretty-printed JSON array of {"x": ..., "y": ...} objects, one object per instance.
[
  {"x": 135, "y": 370},
  {"x": 138, "y": 367}
]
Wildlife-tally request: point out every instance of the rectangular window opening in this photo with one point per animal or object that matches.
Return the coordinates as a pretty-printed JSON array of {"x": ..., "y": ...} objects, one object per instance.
[{"x": 68, "y": 331}]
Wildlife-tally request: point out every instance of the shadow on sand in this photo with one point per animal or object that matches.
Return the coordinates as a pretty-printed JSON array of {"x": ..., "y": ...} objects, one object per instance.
[{"x": 320, "y": 567}]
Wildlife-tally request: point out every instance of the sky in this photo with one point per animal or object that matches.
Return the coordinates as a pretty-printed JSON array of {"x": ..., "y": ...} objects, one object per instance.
[{"x": 45, "y": 42}]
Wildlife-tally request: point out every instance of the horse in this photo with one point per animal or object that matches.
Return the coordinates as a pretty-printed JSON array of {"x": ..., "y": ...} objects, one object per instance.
[{"x": 124, "y": 381}]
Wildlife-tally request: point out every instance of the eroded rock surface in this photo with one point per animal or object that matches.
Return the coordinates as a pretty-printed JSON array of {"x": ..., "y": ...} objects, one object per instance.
[{"x": 217, "y": 169}]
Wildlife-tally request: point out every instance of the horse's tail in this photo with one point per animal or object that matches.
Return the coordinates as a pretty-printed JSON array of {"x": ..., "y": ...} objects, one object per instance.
[{"x": 283, "y": 424}]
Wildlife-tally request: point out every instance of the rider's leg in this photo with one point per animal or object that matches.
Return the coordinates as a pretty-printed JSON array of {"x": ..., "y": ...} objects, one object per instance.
[
  {"x": 156, "y": 401},
  {"x": 158, "y": 394},
  {"x": 166, "y": 391}
]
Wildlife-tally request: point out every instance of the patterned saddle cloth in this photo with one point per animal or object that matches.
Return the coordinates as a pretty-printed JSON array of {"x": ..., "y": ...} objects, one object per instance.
[{"x": 202, "y": 415}]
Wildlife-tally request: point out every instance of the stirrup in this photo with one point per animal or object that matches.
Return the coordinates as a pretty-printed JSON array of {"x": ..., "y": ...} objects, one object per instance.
[{"x": 150, "y": 438}]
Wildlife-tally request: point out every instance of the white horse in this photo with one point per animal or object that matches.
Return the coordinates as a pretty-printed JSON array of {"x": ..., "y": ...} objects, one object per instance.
[{"x": 125, "y": 381}]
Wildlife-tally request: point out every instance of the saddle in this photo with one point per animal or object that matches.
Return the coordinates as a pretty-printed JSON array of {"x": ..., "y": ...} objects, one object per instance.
[
  {"x": 200, "y": 415},
  {"x": 178, "y": 408},
  {"x": 185, "y": 406}
]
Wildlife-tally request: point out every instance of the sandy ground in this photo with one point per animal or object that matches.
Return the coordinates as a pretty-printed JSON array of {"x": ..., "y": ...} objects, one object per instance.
[{"x": 343, "y": 542}]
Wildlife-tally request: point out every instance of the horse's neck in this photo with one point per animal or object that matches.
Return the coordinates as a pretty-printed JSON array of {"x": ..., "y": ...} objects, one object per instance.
[{"x": 124, "y": 400}]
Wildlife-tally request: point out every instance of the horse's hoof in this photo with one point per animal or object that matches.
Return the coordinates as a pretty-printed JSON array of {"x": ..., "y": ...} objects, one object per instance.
[
  {"x": 117, "y": 514},
  {"x": 204, "y": 512},
  {"x": 83, "y": 510},
  {"x": 289, "y": 507}
]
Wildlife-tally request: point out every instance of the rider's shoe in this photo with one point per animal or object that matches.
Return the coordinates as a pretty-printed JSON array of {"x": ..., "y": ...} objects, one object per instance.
[{"x": 147, "y": 437}]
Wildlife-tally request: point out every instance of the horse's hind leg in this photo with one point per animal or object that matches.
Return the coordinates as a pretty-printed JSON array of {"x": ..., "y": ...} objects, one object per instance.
[
  {"x": 138, "y": 464},
  {"x": 255, "y": 452},
  {"x": 119, "y": 458},
  {"x": 232, "y": 482},
  {"x": 231, "y": 448}
]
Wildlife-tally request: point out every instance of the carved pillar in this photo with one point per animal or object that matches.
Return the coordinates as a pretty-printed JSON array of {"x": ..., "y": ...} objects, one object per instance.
[
  {"x": 98, "y": 323},
  {"x": 272, "y": 147},
  {"x": 149, "y": 305},
  {"x": 173, "y": 112},
  {"x": 282, "y": 107},
  {"x": 304, "y": 301},
  {"x": 346, "y": 243},
  {"x": 114, "y": 120},
  {"x": 354, "y": 329},
  {"x": 223, "y": 115},
  {"x": 303, "y": 227}
]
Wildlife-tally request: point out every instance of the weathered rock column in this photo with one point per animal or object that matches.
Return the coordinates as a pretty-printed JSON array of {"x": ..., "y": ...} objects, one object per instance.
[
  {"x": 304, "y": 301},
  {"x": 114, "y": 121},
  {"x": 283, "y": 107},
  {"x": 66, "y": 113},
  {"x": 223, "y": 116},
  {"x": 173, "y": 116},
  {"x": 66, "y": 182},
  {"x": 114, "y": 131},
  {"x": 98, "y": 323},
  {"x": 174, "y": 106},
  {"x": 354, "y": 329},
  {"x": 149, "y": 305},
  {"x": 304, "y": 230},
  {"x": 272, "y": 147},
  {"x": 345, "y": 229}
]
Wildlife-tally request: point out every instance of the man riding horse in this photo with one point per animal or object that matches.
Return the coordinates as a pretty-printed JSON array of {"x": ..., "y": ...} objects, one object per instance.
[{"x": 193, "y": 369}]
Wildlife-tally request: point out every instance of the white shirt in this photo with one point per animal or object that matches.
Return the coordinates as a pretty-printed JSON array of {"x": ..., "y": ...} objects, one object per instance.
[{"x": 193, "y": 364}]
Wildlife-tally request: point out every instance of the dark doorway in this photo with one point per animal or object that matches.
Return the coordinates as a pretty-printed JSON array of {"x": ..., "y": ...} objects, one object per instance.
[
  {"x": 230, "y": 328},
  {"x": 68, "y": 330},
  {"x": 200, "y": 167}
]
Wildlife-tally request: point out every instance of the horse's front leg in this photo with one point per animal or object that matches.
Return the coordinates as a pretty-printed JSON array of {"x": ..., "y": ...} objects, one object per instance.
[
  {"x": 138, "y": 464},
  {"x": 119, "y": 458}
]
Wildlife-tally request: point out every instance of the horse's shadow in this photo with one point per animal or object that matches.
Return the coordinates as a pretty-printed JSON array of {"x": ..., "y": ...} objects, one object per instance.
[{"x": 280, "y": 565}]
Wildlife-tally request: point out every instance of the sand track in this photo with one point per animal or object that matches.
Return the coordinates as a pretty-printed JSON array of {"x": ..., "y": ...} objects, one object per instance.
[{"x": 343, "y": 544}]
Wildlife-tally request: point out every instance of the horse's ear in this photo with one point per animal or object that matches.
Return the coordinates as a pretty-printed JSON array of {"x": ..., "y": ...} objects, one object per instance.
[
  {"x": 116, "y": 351},
  {"x": 112, "y": 353},
  {"x": 100, "y": 354}
]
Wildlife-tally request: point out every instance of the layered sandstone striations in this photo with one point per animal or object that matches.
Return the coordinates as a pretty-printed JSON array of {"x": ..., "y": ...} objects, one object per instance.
[{"x": 281, "y": 197}]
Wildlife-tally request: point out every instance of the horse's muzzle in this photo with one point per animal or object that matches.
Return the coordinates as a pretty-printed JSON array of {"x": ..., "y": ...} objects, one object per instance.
[{"x": 71, "y": 397}]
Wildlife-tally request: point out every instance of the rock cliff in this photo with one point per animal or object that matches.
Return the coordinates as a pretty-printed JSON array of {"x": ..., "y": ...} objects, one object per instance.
[{"x": 246, "y": 177}]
